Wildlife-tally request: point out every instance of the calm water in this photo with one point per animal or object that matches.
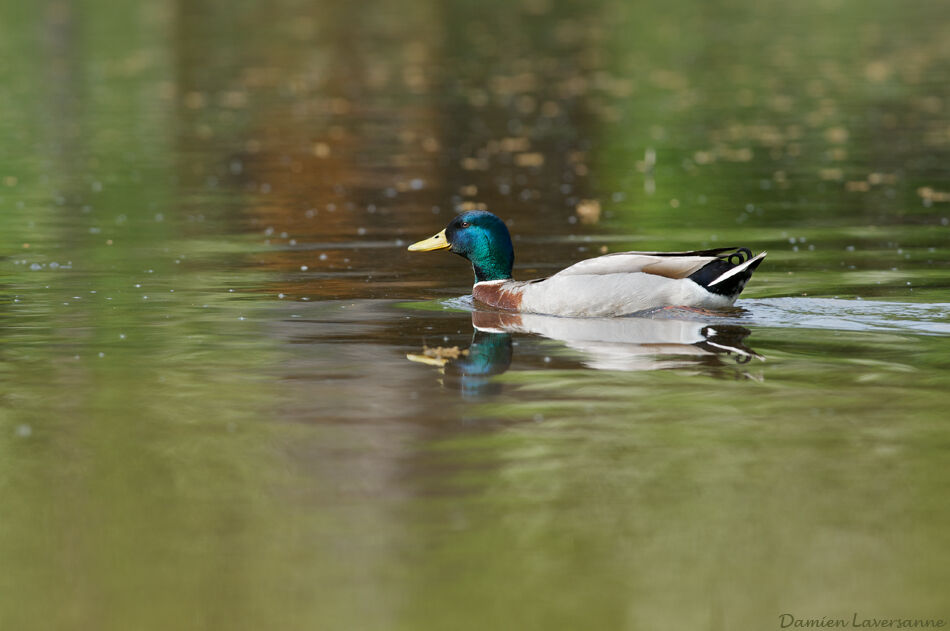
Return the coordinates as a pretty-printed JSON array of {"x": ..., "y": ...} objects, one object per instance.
[{"x": 230, "y": 399}]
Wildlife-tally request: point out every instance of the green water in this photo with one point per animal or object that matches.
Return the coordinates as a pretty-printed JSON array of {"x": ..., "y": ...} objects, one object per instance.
[{"x": 230, "y": 399}]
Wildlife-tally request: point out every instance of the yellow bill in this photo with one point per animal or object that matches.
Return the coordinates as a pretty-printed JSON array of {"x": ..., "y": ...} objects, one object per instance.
[{"x": 438, "y": 242}]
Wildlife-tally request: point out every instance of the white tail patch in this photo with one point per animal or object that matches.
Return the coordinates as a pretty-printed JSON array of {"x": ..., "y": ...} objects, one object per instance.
[{"x": 738, "y": 269}]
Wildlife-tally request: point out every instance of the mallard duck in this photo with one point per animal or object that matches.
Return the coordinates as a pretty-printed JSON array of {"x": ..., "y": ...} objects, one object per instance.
[{"x": 610, "y": 285}]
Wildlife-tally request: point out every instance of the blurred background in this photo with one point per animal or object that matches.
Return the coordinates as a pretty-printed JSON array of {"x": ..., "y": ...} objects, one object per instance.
[{"x": 207, "y": 415}]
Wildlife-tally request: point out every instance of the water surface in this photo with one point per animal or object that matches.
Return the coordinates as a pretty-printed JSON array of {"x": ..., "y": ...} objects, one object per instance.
[{"x": 230, "y": 399}]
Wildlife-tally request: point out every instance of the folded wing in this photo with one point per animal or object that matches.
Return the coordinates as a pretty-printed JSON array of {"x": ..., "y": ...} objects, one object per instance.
[{"x": 667, "y": 264}]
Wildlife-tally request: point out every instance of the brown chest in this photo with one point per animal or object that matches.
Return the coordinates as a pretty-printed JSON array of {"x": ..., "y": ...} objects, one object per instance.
[{"x": 498, "y": 295}]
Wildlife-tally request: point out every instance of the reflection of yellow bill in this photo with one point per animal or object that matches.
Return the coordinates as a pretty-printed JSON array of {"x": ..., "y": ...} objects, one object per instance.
[
  {"x": 429, "y": 361},
  {"x": 438, "y": 242}
]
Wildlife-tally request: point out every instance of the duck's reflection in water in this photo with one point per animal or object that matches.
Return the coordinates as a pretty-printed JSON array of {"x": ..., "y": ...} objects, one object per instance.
[
  {"x": 660, "y": 342},
  {"x": 471, "y": 369}
]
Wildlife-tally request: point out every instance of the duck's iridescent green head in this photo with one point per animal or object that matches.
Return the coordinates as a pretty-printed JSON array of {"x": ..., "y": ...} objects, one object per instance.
[{"x": 479, "y": 236}]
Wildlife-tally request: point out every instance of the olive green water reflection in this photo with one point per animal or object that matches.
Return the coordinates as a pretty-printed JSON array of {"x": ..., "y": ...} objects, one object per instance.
[{"x": 208, "y": 419}]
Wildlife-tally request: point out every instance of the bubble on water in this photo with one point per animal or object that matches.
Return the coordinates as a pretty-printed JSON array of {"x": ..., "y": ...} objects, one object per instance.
[
  {"x": 101, "y": 354},
  {"x": 323, "y": 256},
  {"x": 304, "y": 268},
  {"x": 547, "y": 360},
  {"x": 35, "y": 266},
  {"x": 281, "y": 296},
  {"x": 416, "y": 184},
  {"x": 241, "y": 318},
  {"x": 121, "y": 336},
  {"x": 24, "y": 431},
  {"x": 361, "y": 231},
  {"x": 144, "y": 297}
]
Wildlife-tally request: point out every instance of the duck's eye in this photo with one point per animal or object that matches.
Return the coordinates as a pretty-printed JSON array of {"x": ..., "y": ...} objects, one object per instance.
[{"x": 464, "y": 224}]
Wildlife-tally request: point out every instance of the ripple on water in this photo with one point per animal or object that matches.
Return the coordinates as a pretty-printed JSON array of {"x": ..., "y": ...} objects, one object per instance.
[{"x": 850, "y": 315}]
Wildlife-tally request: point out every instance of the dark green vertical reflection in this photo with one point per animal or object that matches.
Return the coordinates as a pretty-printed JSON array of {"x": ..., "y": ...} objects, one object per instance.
[{"x": 135, "y": 467}]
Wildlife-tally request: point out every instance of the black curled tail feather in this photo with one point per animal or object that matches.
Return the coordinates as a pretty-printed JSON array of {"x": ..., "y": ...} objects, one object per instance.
[
  {"x": 722, "y": 277},
  {"x": 740, "y": 256}
]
